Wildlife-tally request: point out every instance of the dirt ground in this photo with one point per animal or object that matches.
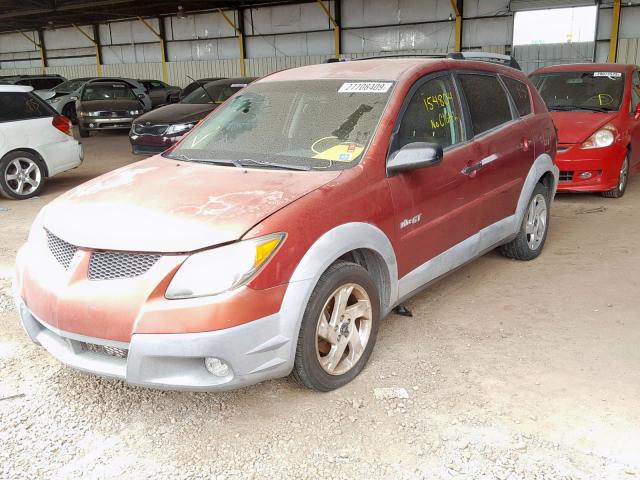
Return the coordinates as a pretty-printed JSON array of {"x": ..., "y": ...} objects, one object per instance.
[{"x": 512, "y": 371}]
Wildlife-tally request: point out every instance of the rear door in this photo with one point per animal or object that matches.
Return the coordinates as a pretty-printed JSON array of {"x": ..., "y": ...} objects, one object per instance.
[
  {"x": 503, "y": 148},
  {"x": 433, "y": 206}
]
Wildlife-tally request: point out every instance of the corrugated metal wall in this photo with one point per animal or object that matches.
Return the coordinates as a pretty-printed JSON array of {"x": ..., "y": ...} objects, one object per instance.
[
  {"x": 629, "y": 51},
  {"x": 531, "y": 57}
]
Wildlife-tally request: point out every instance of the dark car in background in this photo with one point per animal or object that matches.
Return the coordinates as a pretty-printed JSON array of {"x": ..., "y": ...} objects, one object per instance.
[
  {"x": 157, "y": 130},
  {"x": 38, "y": 82},
  {"x": 196, "y": 84},
  {"x": 109, "y": 105},
  {"x": 160, "y": 93}
]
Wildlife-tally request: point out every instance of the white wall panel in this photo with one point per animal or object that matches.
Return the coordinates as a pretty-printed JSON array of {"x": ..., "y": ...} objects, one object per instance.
[
  {"x": 131, "y": 32},
  {"x": 388, "y": 39},
  {"x": 630, "y": 22},
  {"x": 61, "y": 38},
  {"x": 531, "y": 57},
  {"x": 193, "y": 27},
  {"x": 286, "y": 19},
  {"x": 487, "y": 31},
  {"x": 484, "y": 8},
  {"x": 629, "y": 51},
  {"x": 14, "y": 42},
  {"x": 134, "y": 70}
]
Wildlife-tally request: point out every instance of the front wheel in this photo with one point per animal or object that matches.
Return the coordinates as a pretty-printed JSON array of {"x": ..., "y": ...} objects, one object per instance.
[
  {"x": 21, "y": 175},
  {"x": 339, "y": 328},
  {"x": 84, "y": 133},
  {"x": 530, "y": 240},
  {"x": 623, "y": 179}
]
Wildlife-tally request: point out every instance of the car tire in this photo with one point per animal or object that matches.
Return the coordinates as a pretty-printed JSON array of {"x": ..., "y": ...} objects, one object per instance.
[
  {"x": 532, "y": 236},
  {"x": 623, "y": 180},
  {"x": 69, "y": 111},
  {"x": 22, "y": 175},
  {"x": 84, "y": 133},
  {"x": 335, "y": 345}
]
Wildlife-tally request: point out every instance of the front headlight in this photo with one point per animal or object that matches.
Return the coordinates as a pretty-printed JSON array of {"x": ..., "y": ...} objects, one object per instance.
[
  {"x": 54, "y": 100},
  {"x": 36, "y": 232},
  {"x": 179, "y": 127},
  {"x": 604, "y": 137},
  {"x": 222, "y": 269},
  {"x": 87, "y": 114},
  {"x": 135, "y": 112}
]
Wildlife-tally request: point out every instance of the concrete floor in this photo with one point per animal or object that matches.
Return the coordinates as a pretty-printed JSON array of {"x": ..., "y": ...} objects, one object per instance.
[{"x": 513, "y": 370}]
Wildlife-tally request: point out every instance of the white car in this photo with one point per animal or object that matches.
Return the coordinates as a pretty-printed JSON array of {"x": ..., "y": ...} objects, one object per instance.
[{"x": 35, "y": 143}]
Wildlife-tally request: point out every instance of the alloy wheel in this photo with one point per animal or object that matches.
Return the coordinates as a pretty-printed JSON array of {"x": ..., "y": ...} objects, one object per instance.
[
  {"x": 536, "y": 221},
  {"x": 343, "y": 329},
  {"x": 22, "y": 176}
]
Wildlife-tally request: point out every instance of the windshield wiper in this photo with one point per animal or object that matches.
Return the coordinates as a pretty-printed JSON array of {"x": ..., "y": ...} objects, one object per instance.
[
  {"x": 284, "y": 166},
  {"x": 186, "y": 158},
  {"x": 568, "y": 108}
]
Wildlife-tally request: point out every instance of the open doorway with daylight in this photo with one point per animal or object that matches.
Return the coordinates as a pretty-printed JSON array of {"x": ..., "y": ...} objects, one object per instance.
[{"x": 555, "y": 25}]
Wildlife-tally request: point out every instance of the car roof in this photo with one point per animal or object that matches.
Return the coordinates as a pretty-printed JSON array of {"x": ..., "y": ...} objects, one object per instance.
[
  {"x": 15, "y": 88},
  {"x": 230, "y": 81},
  {"x": 111, "y": 82},
  {"x": 383, "y": 69},
  {"x": 586, "y": 67}
]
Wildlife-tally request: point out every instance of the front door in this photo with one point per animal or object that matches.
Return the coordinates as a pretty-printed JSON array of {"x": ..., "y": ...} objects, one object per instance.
[
  {"x": 434, "y": 205},
  {"x": 635, "y": 123}
]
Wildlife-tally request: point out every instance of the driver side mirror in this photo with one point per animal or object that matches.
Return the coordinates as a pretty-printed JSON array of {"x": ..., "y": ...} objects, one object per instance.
[
  {"x": 415, "y": 155},
  {"x": 637, "y": 115}
]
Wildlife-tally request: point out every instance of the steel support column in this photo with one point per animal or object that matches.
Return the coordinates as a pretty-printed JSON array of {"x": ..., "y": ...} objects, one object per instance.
[
  {"x": 96, "y": 44},
  {"x": 456, "y": 6},
  {"x": 239, "y": 29},
  {"x": 615, "y": 27},
  {"x": 40, "y": 46},
  {"x": 335, "y": 21},
  {"x": 163, "y": 46}
]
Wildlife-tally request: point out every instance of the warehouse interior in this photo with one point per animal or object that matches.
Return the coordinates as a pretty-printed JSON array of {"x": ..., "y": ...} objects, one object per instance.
[{"x": 500, "y": 370}]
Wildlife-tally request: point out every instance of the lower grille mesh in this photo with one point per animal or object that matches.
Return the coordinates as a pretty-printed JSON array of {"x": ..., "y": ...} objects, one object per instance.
[
  {"x": 566, "y": 176},
  {"x": 114, "y": 265},
  {"x": 106, "y": 350},
  {"x": 62, "y": 251}
]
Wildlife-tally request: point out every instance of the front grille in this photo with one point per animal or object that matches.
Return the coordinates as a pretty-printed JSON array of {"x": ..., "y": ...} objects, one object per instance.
[
  {"x": 106, "y": 350},
  {"x": 62, "y": 251},
  {"x": 566, "y": 176},
  {"x": 114, "y": 114},
  {"x": 142, "y": 129},
  {"x": 114, "y": 265}
]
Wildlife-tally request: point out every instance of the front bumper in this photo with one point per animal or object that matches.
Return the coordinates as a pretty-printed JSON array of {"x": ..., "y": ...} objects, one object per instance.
[
  {"x": 105, "y": 123},
  {"x": 255, "y": 352},
  {"x": 151, "y": 144},
  {"x": 592, "y": 170}
]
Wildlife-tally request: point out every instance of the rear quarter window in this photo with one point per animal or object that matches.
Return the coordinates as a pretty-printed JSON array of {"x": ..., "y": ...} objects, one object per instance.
[
  {"x": 520, "y": 94},
  {"x": 16, "y": 106},
  {"x": 487, "y": 101}
]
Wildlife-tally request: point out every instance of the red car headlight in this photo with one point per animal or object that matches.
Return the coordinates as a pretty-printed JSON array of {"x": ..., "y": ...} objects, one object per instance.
[{"x": 604, "y": 137}]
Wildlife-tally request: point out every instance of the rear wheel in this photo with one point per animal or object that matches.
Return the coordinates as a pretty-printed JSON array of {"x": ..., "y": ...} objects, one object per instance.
[
  {"x": 21, "y": 175},
  {"x": 339, "y": 328},
  {"x": 623, "y": 179},
  {"x": 530, "y": 240}
]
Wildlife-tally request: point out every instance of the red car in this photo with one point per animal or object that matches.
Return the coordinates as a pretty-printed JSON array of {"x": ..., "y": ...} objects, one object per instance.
[
  {"x": 596, "y": 108},
  {"x": 274, "y": 238}
]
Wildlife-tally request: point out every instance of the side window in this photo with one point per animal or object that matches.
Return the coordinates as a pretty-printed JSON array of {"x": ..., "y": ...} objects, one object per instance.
[
  {"x": 432, "y": 115},
  {"x": 21, "y": 106},
  {"x": 24, "y": 82},
  {"x": 635, "y": 91},
  {"x": 520, "y": 94},
  {"x": 487, "y": 100}
]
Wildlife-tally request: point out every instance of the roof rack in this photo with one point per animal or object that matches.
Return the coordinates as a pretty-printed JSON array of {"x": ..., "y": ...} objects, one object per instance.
[{"x": 479, "y": 56}]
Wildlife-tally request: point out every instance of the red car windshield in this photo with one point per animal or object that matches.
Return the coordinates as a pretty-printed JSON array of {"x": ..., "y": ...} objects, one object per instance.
[
  {"x": 600, "y": 91},
  {"x": 310, "y": 125}
]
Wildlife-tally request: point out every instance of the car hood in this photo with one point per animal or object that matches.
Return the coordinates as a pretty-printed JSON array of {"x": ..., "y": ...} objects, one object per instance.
[
  {"x": 576, "y": 127},
  {"x": 176, "y": 113},
  {"x": 108, "y": 105},
  {"x": 46, "y": 94},
  {"x": 162, "y": 205}
]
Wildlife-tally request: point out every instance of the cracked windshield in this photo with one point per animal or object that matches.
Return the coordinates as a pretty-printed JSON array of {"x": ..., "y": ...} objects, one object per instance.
[{"x": 301, "y": 125}]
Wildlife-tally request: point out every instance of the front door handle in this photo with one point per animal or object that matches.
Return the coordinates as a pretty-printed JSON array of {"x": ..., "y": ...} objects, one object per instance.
[{"x": 471, "y": 169}]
